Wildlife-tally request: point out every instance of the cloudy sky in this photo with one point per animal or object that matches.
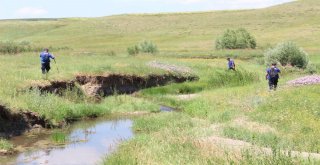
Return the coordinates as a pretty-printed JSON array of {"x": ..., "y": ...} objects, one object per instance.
[{"x": 94, "y": 8}]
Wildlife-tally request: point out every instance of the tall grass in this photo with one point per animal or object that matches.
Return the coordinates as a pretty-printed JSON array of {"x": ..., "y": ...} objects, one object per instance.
[
  {"x": 231, "y": 78},
  {"x": 59, "y": 137}
]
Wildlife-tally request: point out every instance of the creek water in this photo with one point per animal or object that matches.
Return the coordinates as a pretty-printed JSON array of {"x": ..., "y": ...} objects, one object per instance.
[
  {"x": 90, "y": 142},
  {"x": 164, "y": 108}
]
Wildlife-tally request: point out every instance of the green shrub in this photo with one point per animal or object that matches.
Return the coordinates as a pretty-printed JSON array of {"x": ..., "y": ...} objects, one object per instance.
[
  {"x": 11, "y": 47},
  {"x": 287, "y": 53},
  {"x": 311, "y": 69},
  {"x": 148, "y": 47},
  {"x": 144, "y": 47},
  {"x": 134, "y": 50},
  {"x": 236, "y": 39}
]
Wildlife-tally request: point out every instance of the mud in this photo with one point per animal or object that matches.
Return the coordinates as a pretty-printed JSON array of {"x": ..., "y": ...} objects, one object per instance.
[
  {"x": 107, "y": 85},
  {"x": 56, "y": 87},
  {"x": 125, "y": 84},
  {"x": 16, "y": 123}
]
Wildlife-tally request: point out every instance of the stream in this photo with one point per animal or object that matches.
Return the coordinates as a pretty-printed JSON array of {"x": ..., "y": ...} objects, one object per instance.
[{"x": 90, "y": 142}]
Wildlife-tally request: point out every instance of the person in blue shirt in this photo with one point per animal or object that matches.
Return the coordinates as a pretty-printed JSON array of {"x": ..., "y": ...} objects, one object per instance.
[
  {"x": 273, "y": 76},
  {"x": 45, "y": 57},
  {"x": 231, "y": 65}
]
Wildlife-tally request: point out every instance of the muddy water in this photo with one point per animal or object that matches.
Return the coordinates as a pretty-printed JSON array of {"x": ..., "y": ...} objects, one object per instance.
[{"x": 90, "y": 142}]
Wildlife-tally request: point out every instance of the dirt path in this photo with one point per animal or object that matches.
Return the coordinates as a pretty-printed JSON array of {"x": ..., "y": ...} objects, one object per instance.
[
  {"x": 215, "y": 143},
  {"x": 170, "y": 68}
]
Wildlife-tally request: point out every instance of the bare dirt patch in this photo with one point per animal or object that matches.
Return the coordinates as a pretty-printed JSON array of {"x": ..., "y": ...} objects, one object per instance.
[
  {"x": 56, "y": 87},
  {"x": 187, "y": 96},
  {"x": 170, "y": 67},
  {"x": 111, "y": 84},
  {"x": 14, "y": 123},
  {"x": 307, "y": 80}
]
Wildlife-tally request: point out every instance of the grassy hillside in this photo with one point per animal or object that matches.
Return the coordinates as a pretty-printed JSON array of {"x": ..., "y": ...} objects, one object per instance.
[{"x": 184, "y": 33}]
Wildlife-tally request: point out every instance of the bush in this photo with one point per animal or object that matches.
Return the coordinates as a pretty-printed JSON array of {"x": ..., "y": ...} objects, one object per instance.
[
  {"x": 134, "y": 50},
  {"x": 144, "y": 47},
  {"x": 287, "y": 53},
  {"x": 10, "y": 47},
  {"x": 148, "y": 47},
  {"x": 311, "y": 69},
  {"x": 236, "y": 39}
]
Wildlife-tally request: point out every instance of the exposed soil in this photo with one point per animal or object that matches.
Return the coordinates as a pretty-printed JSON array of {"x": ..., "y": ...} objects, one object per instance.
[
  {"x": 16, "y": 123},
  {"x": 56, "y": 87},
  {"x": 125, "y": 84},
  {"x": 106, "y": 85}
]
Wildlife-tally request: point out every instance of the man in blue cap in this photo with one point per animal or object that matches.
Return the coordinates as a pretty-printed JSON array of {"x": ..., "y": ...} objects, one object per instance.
[{"x": 45, "y": 57}]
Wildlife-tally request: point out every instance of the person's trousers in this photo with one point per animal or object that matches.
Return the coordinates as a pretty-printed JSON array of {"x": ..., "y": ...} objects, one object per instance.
[
  {"x": 273, "y": 83},
  {"x": 45, "y": 67}
]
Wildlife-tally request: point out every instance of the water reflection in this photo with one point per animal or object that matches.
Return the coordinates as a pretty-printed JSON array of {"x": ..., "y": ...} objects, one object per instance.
[{"x": 90, "y": 142}]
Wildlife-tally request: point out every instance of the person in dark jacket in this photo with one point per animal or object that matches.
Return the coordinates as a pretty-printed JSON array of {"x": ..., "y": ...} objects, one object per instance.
[
  {"x": 231, "y": 64},
  {"x": 273, "y": 76},
  {"x": 45, "y": 57}
]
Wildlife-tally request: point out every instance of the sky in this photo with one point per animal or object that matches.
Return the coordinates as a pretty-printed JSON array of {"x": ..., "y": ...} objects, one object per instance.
[{"x": 12, "y": 9}]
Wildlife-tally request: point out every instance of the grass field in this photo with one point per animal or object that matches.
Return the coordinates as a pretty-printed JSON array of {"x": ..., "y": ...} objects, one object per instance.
[{"x": 221, "y": 105}]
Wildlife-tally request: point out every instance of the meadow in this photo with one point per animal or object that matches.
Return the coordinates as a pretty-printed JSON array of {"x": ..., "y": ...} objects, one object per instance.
[{"x": 222, "y": 109}]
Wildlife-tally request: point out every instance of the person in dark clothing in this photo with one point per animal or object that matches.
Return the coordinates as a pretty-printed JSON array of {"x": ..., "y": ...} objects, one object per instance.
[
  {"x": 231, "y": 64},
  {"x": 45, "y": 57},
  {"x": 273, "y": 76}
]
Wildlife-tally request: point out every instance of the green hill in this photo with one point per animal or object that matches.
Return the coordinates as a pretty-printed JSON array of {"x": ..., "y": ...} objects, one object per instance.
[{"x": 173, "y": 32}]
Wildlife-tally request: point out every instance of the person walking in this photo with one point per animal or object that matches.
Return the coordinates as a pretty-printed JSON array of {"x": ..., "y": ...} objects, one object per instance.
[
  {"x": 231, "y": 64},
  {"x": 273, "y": 76},
  {"x": 45, "y": 57}
]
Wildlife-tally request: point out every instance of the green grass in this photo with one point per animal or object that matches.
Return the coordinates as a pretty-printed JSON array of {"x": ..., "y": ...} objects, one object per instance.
[
  {"x": 223, "y": 98},
  {"x": 295, "y": 114},
  {"x": 276, "y": 158},
  {"x": 162, "y": 139},
  {"x": 5, "y": 145},
  {"x": 59, "y": 137}
]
